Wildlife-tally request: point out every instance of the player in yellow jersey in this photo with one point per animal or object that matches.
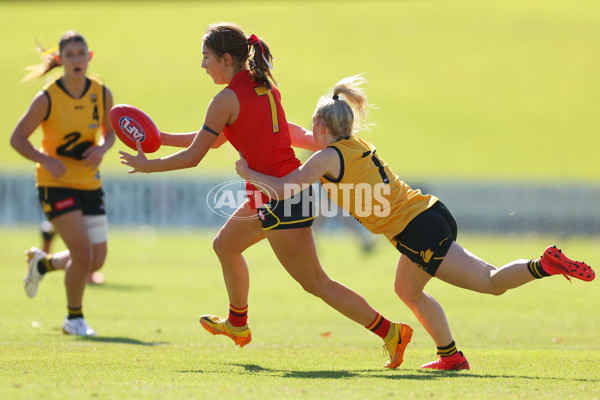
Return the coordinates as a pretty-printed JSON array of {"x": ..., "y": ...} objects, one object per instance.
[
  {"x": 70, "y": 110},
  {"x": 420, "y": 227}
]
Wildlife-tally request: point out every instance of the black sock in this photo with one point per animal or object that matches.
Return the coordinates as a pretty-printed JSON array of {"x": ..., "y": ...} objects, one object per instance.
[
  {"x": 535, "y": 268},
  {"x": 447, "y": 351},
  {"x": 45, "y": 265},
  {"x": 74, "y": 312}
]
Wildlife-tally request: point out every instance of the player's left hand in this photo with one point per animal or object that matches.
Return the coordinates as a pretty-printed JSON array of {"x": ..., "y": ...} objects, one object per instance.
[
  {"x": 241, "y": 167},
  {"x": 92, "y": 157},
  {"x": 136, "y": 162}
]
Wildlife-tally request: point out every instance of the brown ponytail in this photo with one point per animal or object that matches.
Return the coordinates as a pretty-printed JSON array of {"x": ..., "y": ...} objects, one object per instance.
[
  {"x": 261, "y": 61},
  {"x": 48, "y": 63},
  {"x": 228, "y": 38},
  {"x": 49, "y": 57}
]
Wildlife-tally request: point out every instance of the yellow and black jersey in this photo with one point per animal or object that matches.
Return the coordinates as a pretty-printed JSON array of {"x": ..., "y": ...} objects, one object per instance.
[
  {"x": 369, "y": 190},
  {"x": 70, "y": 127}
]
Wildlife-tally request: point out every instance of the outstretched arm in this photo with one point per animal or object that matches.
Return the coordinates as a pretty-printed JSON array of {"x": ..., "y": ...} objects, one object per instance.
[
  {"x": 219, "y": 113},
  {"x": 323, "y": 162},
  {"x": 186, "y": 139},
  {"x": 186, "y": 158}
]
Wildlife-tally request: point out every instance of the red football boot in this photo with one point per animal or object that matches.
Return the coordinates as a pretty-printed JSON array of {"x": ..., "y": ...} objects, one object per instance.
[
  {"x": 454, "y": 362},
  {"x": 555, "y": 262}
]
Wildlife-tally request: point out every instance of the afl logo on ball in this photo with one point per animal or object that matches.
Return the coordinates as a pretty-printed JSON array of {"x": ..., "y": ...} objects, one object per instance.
[{"x": 132, "y": 129}]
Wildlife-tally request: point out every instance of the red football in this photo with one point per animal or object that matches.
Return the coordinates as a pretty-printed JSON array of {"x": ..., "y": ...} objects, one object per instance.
[{"x": 133, "y": 125}]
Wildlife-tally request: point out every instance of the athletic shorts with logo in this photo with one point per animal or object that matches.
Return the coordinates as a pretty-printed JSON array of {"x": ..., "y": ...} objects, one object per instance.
[
  {"x": 57, "y": 201},
  {"x": 294, "y": 212},
  {"x": 428, "y": 237}
]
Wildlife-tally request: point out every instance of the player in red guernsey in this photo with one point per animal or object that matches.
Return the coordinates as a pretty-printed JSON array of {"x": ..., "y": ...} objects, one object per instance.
[
  {"x": 248, "y": 114},
  {"x": 265, "y": 140}
]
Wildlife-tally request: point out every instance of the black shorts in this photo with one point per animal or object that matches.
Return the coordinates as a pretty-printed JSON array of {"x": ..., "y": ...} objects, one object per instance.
[
  {"x": 56, "y": 201},
  {"x": 428, "y": 237},
  {"x": 294, "y": 212}
]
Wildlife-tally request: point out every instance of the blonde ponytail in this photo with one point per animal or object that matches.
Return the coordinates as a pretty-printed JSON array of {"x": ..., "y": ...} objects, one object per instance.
[{"x": 346, "y": 111}]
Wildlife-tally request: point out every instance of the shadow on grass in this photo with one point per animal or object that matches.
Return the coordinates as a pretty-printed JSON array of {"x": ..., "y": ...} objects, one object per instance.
[
  {"x": 329, "y": 374},
  {"x": 399, "y": 374},
  {"x": 118, "y": 339},
  {"x": 254, "y": 368}
]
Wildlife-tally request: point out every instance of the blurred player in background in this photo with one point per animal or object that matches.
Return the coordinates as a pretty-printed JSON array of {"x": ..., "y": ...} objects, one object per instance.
[
  {"x": 48, "y": 233},
  {"x": 248, "y": 114},
  {"x": 71, "y": 110},
  {"x": 420, "y": 227}
]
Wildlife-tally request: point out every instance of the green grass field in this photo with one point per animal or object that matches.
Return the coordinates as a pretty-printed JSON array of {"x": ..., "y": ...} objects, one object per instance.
[
  {"x": 465, "y": 89},
  {"x": 538, "y": 341},
  {"x": 495, "y": 89}
]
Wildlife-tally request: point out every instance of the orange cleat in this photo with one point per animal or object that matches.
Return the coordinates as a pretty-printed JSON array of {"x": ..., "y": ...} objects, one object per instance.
[{"x": 396, "y": 344}]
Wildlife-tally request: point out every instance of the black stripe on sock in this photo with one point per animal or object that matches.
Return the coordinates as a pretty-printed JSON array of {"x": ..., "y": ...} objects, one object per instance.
[
  {"x": 238, "y": 314},
  {"x": 45, "y": 265},
  {"x": 74, "y": 312},
  {"x": 447, "y": 351},
  {"x": 535, "y": 268}
]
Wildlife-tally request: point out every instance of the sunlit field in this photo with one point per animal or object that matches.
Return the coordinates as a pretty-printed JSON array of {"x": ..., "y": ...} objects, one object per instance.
[
  {"x": 536, "y": 341},
  {"x": 463, "y": 91}
]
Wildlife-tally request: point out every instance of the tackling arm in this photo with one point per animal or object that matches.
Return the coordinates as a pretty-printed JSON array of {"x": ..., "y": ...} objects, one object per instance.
[
  {"x": 323, "y": 162},
  {"x": 302, "y": 138}
]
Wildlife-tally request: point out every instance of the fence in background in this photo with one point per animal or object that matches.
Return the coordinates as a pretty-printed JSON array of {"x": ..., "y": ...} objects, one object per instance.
[{"x": 563, "y": 209}]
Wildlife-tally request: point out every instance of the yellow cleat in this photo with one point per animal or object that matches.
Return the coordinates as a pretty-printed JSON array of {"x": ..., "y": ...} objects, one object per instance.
[
  {"x": 221, "y": 326},
  {"x": 395, "y": 343}
]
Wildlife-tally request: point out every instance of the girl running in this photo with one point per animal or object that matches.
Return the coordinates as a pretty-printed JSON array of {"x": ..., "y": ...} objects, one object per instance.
[
  {"x": 419, "y": 226},
  {"x": 248, "y": 113},
  {"x": 70, "y": 110}
]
